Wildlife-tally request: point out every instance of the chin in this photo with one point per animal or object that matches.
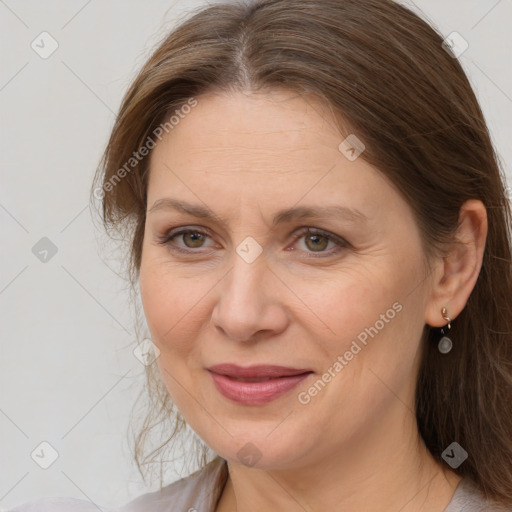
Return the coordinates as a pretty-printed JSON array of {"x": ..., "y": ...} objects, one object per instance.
[{"x": 257, "y": 445}]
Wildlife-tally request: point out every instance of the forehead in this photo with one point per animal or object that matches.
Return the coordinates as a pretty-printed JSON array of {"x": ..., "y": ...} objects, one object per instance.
[
  {"x": 276, "y": 126},
  {"x": 261, "y": 150}
]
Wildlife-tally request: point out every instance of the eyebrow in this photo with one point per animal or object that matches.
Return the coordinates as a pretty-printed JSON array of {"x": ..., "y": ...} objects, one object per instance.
[{"x": 282, "y": 216}]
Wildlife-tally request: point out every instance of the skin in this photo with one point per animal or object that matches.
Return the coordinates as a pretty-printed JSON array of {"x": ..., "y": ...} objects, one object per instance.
[{"x": 355, "y": 444}]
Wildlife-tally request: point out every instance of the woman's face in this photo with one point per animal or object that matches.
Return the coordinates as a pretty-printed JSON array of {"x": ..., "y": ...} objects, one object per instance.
[{"x": 280, "y": 347}]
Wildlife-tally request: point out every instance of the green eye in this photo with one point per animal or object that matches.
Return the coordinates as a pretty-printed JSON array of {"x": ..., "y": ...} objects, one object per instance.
[
  {"x": 193, "y": 239},
  {"x": 318, "y": 242}
]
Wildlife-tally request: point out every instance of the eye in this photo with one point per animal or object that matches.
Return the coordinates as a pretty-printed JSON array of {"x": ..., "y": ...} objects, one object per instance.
[
  {"x": 317, "y": 240},
  {"x": 191, "y": 238},
  {"x": 315, "y": 243}
]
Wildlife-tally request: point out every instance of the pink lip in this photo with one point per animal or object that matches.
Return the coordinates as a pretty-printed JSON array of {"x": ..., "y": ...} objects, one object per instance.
[{"x": 255, "y": 385}]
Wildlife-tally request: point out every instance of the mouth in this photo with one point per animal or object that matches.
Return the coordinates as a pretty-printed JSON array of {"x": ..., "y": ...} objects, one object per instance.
[{"x": 256, "y": 385}]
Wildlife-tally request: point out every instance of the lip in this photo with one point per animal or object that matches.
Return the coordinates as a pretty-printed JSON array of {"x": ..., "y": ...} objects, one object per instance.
[{"x": 256, "y": 385}]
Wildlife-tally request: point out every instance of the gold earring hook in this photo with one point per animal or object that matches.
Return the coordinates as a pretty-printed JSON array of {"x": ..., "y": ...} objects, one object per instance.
[{"x": 444, "y": 312}]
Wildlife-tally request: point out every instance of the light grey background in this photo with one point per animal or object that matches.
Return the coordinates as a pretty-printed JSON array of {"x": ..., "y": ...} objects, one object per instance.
[{"x": 67, "y": 372}]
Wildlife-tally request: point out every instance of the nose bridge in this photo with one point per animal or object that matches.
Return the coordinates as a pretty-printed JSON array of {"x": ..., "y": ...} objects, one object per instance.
[
  {"x": 246, "y": 281},
  {"x": 246, "y": 303},
  {"x": 245, "y": 285}
]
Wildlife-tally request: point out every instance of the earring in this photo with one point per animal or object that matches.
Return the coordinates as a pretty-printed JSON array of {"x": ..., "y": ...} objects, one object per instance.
[{"x": 445, "y": 344}]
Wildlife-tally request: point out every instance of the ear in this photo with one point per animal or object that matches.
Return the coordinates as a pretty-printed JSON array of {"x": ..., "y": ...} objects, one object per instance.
[{"x": 457, "y": 272}]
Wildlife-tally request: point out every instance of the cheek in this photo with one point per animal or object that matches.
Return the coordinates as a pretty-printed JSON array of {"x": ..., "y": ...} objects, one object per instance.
[
  {"x": 155, "y": 295},
  {"x": 378, "y": 325},
  {"x": 162, "y": 295},
  {"x": 174, "y": 307},
  {"x": 370, "y": 311},
  {"x": 343, "y": 302},
  {"x": 171, "y": 307}
]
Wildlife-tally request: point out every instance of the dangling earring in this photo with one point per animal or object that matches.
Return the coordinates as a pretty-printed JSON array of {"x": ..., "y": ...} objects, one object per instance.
[{"x": 445, "y": 344}]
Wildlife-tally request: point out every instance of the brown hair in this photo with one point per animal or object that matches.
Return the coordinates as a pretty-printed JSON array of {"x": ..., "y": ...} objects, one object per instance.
[{"x": 384, "y": 72}]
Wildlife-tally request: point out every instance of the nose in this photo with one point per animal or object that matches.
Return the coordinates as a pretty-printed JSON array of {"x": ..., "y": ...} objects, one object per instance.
[{"x": 250, "y": 304}]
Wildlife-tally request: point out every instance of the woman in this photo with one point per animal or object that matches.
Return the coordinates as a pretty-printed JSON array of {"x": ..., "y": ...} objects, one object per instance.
[{"x": 321, "y": 237}]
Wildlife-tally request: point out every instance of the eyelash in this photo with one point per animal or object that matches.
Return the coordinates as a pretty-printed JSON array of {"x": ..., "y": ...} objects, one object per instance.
[{"x": 341, "y": 243}]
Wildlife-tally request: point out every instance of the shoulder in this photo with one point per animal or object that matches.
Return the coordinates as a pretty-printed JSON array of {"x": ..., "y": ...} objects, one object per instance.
[
  {"x": 468, "y": 498},
  {"x": 198, "y": 492}
]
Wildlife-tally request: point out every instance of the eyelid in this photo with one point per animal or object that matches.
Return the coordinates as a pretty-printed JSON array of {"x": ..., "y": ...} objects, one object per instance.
[{"x": 298, "y": 234}]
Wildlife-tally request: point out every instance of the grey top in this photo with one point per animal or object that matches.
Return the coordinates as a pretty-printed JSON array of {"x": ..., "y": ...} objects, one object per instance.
[
  {"x": 467, "y": 498},
  {"x": 200, "y": 492}
]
